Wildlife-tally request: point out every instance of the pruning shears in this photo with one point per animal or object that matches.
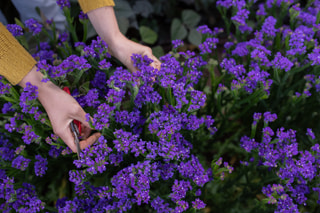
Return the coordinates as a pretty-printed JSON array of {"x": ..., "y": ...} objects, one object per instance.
[{"x": 75, "y": 126}]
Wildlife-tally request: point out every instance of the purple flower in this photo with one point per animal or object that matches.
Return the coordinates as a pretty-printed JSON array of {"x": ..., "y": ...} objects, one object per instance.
[
  {"x": 315, "y": 56},
  {"x": 63, "y": 3},
  {"x": 20, "y": 162},
  {"x": 91, "y": 98},
  {"x": 77, "y": 176},
  {"x": 310, "y": 133},
  {"x": 29, "y": 136},
  {"x": 281, "y": 62},
  {"x": 7, "y": 107},
  {"x": 34, "y": 26},
  {"x": 269, "y": 117},
  {"x": 177, "y": 43},
  {"x": 198, "y": 204},
  {"x": 29, "y": 94},
  {"x": 204, "y": 29},
  {"x": 268, "y": 27},
  {"x": 180, "y": 189},
  {"x": 160, "y": 206},
  {"x": 15, "y": 30},
  {"x": 83, "y": 16},
  {"x": 240, "y": 17},
  {"x": 198, "y": 99},
  {"x": 101, "y": 118},
  {"x": 208, "y": 45},
  {"x": 40, "y": 166},
  {"x": 261, "y": 11}
]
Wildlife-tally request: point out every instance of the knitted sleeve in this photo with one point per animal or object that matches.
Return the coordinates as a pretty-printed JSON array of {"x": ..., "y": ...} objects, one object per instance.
[
  {"x": 15, "y": 61},
  {"x": 88, "y": 5}
]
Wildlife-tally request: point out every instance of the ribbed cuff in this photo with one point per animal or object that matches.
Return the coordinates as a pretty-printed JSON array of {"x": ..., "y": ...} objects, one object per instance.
[
  {"x": 15, "y": 61},
  {"x": 88, "y": 5}
]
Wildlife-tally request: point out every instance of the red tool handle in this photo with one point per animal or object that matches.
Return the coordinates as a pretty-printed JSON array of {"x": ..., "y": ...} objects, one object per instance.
[{"x": 76, "y": 122}]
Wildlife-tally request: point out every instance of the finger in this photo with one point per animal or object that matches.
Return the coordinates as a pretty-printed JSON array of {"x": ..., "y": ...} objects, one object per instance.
[
  {"x": 79, "y": 114},
  {"x": 68, "y": 139},
  {"x": 90, "y": 140},
  {"x": 85, "y": 131}
]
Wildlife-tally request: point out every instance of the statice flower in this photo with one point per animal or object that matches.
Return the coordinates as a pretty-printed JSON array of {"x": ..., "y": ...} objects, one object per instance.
[
  {"x": 198, "y": 204},
  {"x": 128, "y": 118},
  {"x": 4, "y": 87},
  {"x": 281, "y": 62},
  {"x": 20, "y": 162},
  {"x": 261, "y": 11},
  {"x": 94, "y": 158},
  {"x": 99, "y": 80},
  {"x": 177, "y": 43},
  {"x": 268, "y": 27},
  {"x": 180, "y": 189},
  {"x": 225, "y": 3},
  {"x": 63, "y": 3},
  {"x": 160, "y": 206},
  {"x": 70, "y": 64},
  {"x": 15, "y": 30},
  {"x": 198, "y": 99},
  {"x": 97, "y": 49},
  {"x": 40, "y": 166},
  {"x": 6, "y": 149},
  {"x": 194, "y": 170},
  {"x": 29, "y": 136},
  {"x": 115, "y": 95},
  {"x": 310, "y": 133},
  {"x": 204, "y": 29},
  {"x": 208, "y": 45},
  {"x": 92, "y": 98},
  {"x": 77, "y": 176},
  {"x": 27, "y": 98},
  {"x": 315, "y": 56},
  {"x": 240, "y": 17},
  {"x": 34, "y": 26},
  {"x": 7, "y": 107},
  {"x": 296, "y": 43},
  {"x": 307, "y": 18},
  {"x": 104, "y": 64},
  {"x": 27, "y": 200},
  {"x": 241, "y": 49},
  {"x": 83, "y": 16},
  {"x": 269, "y": 117},
  {"x": 126, "y": 142}
]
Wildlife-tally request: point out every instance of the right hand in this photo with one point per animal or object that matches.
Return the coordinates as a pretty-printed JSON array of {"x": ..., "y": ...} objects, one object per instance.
[{"x": 62, "y": 109}]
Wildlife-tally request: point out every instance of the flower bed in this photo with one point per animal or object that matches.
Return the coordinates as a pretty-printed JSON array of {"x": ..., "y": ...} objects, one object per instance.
[{"x": 166, "y": 132}]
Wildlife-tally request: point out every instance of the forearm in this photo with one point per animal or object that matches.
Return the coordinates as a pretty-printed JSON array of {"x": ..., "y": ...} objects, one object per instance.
[
  {"x": 15, "y": 61},
  {"x": 105, "y": 23}
]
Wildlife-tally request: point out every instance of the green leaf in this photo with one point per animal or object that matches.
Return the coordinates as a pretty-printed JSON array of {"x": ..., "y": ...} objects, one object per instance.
[
  {"x": 157, "y": 51},
  {"x": 123, "y": 9},
  {"x": 190, "y": 18},
  {"x": 148, "y": 35},
  {"x": 194, "y": 37},
  {"x": 123, "y": 23},
  {"x": 178, "y": 31}
]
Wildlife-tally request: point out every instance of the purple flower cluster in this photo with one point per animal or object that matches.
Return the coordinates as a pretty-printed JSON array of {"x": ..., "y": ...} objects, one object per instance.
[
  {"x": 40, "y": 166},
  {"x": 28, "y": 97},
  {"x": 63, "y": 3},
  {"x": 295, "y": 169},
  {"x": 23, "y": 199},
  {"x": 15, "y": 30},
  {"x": 34, "y": 26}
]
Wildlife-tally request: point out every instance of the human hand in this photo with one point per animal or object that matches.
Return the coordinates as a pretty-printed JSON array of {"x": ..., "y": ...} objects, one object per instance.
[
  {"x": 123, "y": 48},
  {"x": 105, "y": 23},
  {"x": 62, "y": 109}
]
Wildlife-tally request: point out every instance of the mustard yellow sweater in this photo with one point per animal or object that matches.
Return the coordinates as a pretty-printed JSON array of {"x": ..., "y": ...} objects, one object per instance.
[{"x": 15, "y": 61}]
